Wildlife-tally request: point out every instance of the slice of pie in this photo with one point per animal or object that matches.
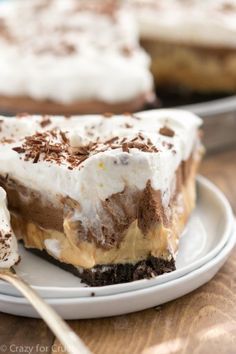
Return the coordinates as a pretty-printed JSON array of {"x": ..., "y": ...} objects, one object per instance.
[{"x": 105, "y": 197}]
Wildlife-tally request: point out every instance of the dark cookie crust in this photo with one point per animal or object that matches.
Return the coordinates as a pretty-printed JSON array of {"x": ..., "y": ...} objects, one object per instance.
[
  {"x": 114, "y": 273},
  {"x": 124, "y": 273}
]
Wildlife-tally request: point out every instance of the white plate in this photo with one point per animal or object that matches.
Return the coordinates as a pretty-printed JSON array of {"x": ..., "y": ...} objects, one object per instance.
[
  {"x": 131, "y": 301},
  {"x": 206, "y": 234}
]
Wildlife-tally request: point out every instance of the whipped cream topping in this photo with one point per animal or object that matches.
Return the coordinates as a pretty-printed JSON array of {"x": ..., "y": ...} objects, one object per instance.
[
  {"x": 208, "y": 22},
  {"x": 8, "y": 243},
  {"x": 71, "y": 50},
  {"x": 123, "y": 151}
]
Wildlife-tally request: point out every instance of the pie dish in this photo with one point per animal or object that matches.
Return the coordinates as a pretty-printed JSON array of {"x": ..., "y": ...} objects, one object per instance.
[
  {"x": 105, "y": 197},
  {"x": 192, "y": 43},
  {"x": 71, "y": 57}
]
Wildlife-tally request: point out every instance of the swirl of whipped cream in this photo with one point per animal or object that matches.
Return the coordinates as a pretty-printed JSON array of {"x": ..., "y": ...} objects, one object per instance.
[{"x": 8, "y": 243}]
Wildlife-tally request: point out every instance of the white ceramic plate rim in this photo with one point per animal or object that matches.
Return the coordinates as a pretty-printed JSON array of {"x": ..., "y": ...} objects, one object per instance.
[
  {"x": 144, "y": 283},
  {"x": 226, "y": 250}
]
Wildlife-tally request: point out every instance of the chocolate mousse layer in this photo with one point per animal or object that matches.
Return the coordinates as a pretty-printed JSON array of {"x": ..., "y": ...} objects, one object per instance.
[{"x": 21, "y": 104}]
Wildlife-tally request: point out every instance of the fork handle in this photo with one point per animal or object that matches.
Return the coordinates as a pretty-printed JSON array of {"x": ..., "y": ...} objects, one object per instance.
[{"x": 71, "y": 342}]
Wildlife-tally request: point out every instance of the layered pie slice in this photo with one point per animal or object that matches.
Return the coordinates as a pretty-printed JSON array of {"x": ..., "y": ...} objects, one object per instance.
[
  {"x": 71, "y": 57},
  {"x": 105, "y": 197}
]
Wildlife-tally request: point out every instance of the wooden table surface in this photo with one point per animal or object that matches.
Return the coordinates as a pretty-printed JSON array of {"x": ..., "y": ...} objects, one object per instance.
[{"x": 201, "y": 322}]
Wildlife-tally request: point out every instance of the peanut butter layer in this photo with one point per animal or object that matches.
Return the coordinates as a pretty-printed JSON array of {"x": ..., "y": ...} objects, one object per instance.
[{"x": 198, "y": 68}]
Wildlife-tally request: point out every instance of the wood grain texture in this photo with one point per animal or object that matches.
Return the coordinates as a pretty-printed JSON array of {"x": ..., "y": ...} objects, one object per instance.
[
  {"x": 202, "y": 322},
  {"x": 20, "y": 331}
]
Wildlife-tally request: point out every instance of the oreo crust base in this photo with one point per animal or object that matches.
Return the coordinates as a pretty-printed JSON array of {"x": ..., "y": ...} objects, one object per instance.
[{"x": 102, "y": 275}]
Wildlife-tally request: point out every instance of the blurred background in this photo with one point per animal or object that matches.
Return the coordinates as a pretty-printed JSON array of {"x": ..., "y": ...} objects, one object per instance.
[{"x": 97, "y": 56}]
